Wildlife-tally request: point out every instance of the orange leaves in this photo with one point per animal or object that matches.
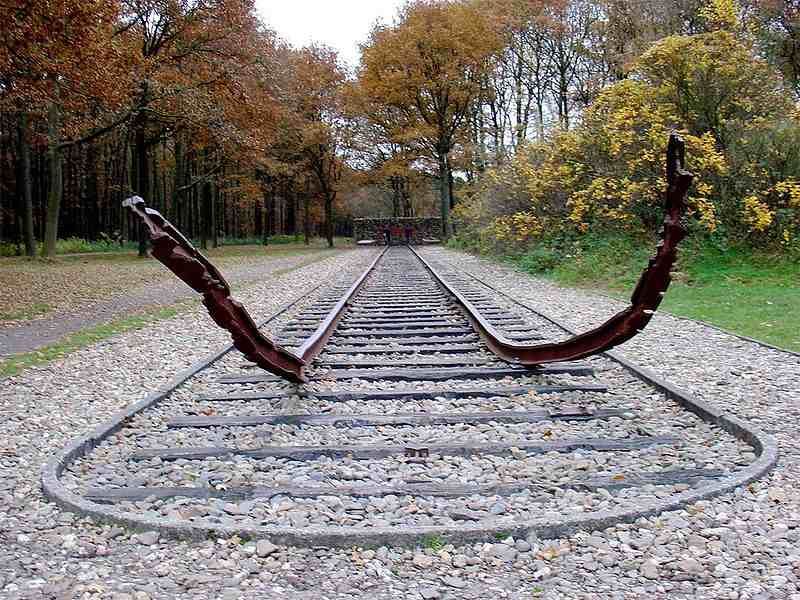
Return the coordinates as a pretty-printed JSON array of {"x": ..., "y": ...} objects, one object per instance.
[
  {"x": 41, "y": 42},
  {"x": 429, "y": 67}
]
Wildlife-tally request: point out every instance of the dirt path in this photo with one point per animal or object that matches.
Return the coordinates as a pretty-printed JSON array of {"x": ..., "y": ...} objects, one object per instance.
[{"x": 27, "y": 336}]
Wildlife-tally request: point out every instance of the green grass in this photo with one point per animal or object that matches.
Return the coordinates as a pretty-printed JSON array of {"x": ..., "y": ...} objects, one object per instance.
[
  {"x": 76, "y": 245},
  {"x": 130, "y": 255},
  {"x": 433, "y": 542},
  {"x": 73, "y": 245},
  {"x": 752, "y": 293},
  {"x": 86, "y": 337},
  {"x": 29, "y": 312}
]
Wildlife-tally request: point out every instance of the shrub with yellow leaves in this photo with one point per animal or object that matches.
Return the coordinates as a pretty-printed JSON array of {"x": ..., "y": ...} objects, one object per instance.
[
  {"x": 742, "y": 144},
  {"x": 757, "y": 214}
]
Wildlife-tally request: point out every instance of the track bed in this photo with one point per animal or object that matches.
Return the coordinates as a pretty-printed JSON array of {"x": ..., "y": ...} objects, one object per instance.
[{"x": 407, "y": 427}]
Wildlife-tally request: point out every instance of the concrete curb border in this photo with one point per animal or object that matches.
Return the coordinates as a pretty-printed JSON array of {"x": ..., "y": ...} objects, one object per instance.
[{"x": 765, "y": 448}]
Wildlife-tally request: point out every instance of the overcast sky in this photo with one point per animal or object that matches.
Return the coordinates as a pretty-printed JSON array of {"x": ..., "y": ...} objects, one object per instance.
[{"x": 341, "y": 24}]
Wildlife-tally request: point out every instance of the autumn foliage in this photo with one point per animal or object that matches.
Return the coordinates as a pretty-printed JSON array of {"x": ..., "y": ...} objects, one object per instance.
[
  {"x": 606, "y": 173},
  {"x": 194, "y": 105},
  {"x": 515, "y": 120}
]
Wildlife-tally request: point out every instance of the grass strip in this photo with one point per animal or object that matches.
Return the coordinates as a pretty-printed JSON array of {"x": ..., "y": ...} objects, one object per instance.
[
  {"x": 752, "y": 293},
  {"x": 13, "y": 365}
]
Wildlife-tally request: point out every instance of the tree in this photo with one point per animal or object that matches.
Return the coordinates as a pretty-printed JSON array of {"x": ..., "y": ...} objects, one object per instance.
[
  {"x": 26, "y": 192},
  {"x": 776, "y": 24},
  {"x": 741, "y": 139},
  {"x": 45, "y": 72},
  {"x": 430, "y": 67},
  {"x": 629, "y": 28},
  {"x": 714, "y": 82},
  {"x": 318, "y": 122}
]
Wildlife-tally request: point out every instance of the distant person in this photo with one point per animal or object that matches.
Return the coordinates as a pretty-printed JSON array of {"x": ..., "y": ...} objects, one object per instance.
[
  {"x": 409, "y": 230},
  {"x": 397, "y": 232}
]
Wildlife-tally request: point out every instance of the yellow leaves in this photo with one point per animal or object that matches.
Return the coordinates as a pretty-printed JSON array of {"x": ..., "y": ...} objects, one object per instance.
[
  {"x": 776, "y": 208},
  {"x": 721, "y": 14},
  {"x": 757, "y": 213},
  {"x": 705, "y": 156},
  {"x": 705, "y": 211},
  {"x": 519, "y": 227},
  {"x": 728, "y": 105},
  {"x": 790, "y": 191},
  {"x": 430, "y": 65},
  {"x": 713, "y": 82}
]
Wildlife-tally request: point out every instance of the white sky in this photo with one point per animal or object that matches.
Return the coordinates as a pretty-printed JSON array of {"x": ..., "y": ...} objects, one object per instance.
[{"x": 341, "y": 24}]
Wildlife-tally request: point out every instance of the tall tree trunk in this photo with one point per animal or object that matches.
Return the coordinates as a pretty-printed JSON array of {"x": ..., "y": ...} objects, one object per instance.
[
  {"x": 291, "y": 214},
  {"x": 329, "y": 198},
  {"x": 142, "y": 174},
  {"x": 395, "y": 196},
  {"x": 264, "y": 216},
  {"x": 25, "y": 186},
  {"x": 444, "y": 194},
  {"x": 306, "y": 222},
  {"x": 205, "y": 210},
  {"x": 269, "y": 202},
  {"x": 155, "y": 189},
  {"x": 93, "y": 204},
  {"x": 521, "y": 122},
  {"x": 180, "y": 177},
  {"x": 450, "y": 189},
  {"x": 296, "y": 200},
  {"x": 213, "y": 219},
  {"x": 56, "y": 187}
]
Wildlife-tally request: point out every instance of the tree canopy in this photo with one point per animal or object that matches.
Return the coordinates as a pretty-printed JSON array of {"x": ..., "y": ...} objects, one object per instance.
[{"x": 527, "y": 118}]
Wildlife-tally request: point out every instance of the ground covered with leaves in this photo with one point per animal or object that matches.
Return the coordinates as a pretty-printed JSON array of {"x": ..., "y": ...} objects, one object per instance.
[
  {"x": 51, "y": 309},
  {"x": 37, "y": 289}
]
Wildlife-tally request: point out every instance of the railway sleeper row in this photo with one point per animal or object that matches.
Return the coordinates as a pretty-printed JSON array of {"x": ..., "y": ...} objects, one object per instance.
[{"x": 406, "y": 420}]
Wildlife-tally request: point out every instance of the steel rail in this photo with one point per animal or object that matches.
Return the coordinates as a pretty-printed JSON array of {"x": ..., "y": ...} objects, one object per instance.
[
  {"x": 646, "y": 297},
  {"x": 317, "y": 340},
  {"x": 177, "y": 253}
]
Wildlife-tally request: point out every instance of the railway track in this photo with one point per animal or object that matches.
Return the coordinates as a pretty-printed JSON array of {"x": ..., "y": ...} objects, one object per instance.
[{"x": 408, "y": 426}]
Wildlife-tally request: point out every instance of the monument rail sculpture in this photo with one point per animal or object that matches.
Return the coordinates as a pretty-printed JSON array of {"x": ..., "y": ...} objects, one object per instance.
[
  {"x": 408, "y": 377},
  {"x": 172, "y": 249}
]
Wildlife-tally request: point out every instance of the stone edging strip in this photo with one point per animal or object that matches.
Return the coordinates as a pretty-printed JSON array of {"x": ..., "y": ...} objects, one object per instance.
[{"x": 764, "y": 446}]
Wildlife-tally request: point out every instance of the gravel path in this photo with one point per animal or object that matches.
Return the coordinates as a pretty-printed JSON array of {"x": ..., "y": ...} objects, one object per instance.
[
  {"x": 742, "y": 545},
  {"x": 20, "y": 337}
]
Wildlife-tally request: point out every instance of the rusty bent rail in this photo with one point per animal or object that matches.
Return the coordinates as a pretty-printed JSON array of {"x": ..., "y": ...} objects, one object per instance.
[
  {"x": 646, "y": 296},
  {"x": 177, "y": 253}
]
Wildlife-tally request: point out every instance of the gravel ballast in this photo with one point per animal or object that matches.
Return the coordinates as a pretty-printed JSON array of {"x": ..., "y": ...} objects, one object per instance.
[{"x": 742, "y": 543}]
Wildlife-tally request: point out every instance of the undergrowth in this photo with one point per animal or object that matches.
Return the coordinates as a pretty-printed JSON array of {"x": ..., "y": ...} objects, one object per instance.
[{"x": 751, "y": 292}]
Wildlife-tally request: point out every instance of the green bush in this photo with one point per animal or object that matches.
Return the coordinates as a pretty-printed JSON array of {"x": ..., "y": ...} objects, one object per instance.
[
  {"x": 8, "y": 249},
  {"x": 73, "y": 245},
  {"x": 540, "y": 259},
  {"x": 284, "y": 239},
  {"x": 257, "y": 241}
]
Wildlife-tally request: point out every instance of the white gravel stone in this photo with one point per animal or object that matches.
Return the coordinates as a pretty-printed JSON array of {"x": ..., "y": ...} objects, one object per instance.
[{"x": 751, "y": 535}]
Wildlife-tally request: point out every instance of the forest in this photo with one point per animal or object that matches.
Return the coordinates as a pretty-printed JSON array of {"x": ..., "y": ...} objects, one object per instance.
[{"x": 516, "y": 121}]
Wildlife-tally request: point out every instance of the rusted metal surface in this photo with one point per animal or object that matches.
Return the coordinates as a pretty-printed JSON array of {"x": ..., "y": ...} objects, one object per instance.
[
  {"x": 646, "y": 296},
  {"x": 173, "y": 250},
  {"x": 178, "y": 254}
]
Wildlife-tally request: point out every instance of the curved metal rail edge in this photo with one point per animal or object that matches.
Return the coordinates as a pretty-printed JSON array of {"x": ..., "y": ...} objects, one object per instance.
[
  {"x": 764, "y": 445},
  {"x": 317, "y": 340},
  {"x": 178, "y": 254},
  {"x": 645, "y": 299}
]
